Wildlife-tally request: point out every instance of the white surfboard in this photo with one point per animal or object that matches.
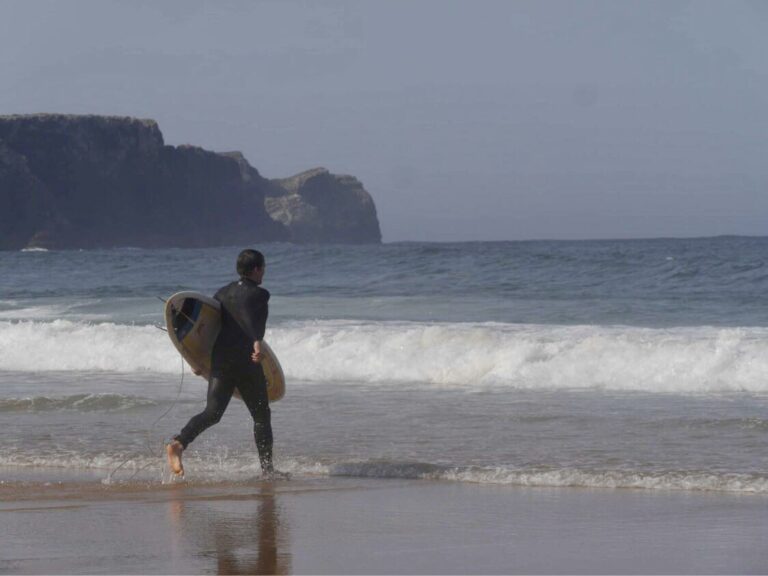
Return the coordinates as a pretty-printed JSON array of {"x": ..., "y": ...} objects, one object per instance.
[{"x": 194, "y": 321}]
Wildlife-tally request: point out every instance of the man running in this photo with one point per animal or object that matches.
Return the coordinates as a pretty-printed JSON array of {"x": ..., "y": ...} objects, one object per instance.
[{"x": 236, "y": 362}]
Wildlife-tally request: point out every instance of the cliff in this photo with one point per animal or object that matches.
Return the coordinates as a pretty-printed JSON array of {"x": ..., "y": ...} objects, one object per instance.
[
  {"x": 317, "y": 206},
  {"x": 95, "y": 181}
]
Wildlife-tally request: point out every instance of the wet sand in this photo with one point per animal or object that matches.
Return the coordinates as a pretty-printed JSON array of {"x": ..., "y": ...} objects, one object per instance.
[{"x": 363, "y": 526}]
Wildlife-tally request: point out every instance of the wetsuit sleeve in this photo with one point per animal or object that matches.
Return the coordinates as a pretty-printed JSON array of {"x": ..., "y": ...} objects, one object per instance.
[{"x": 255, "y": 315}]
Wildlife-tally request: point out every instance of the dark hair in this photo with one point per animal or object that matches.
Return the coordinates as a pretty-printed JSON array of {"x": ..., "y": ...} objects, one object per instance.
[{"x": 248, "y": 260}]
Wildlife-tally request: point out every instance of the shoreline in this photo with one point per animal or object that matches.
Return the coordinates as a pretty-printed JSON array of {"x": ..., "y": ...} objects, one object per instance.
[{"x": 371, "y": 526}]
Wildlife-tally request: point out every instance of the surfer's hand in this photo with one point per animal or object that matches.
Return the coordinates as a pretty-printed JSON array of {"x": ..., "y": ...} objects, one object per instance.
[
  {"x": 256, "y": 357},
  {"x": 196, "y": 372}
]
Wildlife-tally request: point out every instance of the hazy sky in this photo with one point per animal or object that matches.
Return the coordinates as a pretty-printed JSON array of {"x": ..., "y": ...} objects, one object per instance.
[{"x": 474, "y": 120}]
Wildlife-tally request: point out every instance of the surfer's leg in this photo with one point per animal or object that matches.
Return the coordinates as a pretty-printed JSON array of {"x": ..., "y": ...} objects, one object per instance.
[
  {"x": 220, "y": 389},
  {"x": 253, "y": 389}
]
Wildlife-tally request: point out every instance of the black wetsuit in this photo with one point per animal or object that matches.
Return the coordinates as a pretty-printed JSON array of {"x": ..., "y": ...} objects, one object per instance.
[{"x": 244, "y": 311}]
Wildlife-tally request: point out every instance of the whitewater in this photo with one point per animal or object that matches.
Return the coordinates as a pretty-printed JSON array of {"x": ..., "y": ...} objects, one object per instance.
[
  {"x": 466, "y": 356},
  {"x": 612, "y": 364}
]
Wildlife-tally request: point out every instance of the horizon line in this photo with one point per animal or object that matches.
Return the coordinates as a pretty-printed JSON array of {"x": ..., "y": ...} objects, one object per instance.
[{"x": 606, "y": 239}]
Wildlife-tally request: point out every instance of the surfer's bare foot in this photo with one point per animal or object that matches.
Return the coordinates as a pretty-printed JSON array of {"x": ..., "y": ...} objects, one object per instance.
[
  {"x": 174, "y": 450},
  {"x": 275, "y": 475}
]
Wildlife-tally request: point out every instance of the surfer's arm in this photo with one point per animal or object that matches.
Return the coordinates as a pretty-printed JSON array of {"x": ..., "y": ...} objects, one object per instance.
[
  {"x": 254, "y": 316},
  {"x": 255, "y": 321}
]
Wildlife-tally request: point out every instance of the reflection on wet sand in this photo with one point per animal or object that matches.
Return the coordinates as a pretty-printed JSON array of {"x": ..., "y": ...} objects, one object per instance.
[{"x": 250, "y": 539}]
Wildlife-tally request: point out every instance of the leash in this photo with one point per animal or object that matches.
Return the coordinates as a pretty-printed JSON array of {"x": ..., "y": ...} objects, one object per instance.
[
  {"x": 150, "y": 432},
  {"x": 151, "y": 429}
]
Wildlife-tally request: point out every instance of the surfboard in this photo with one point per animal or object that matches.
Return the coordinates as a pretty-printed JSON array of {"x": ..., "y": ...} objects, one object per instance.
[{"x": 194, "y": 321}]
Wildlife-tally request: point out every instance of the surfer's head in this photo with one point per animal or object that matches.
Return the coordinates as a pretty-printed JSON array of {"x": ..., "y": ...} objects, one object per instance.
[{"x": 250, "y": 262}]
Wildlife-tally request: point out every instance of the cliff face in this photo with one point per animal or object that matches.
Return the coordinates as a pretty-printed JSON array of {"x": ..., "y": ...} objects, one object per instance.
[
  {"x": 84, "y": 170},
  {"x": 95, "y": 181},
  {"x": 317, "y": 206},
  {"x": 24, "y": 200}
]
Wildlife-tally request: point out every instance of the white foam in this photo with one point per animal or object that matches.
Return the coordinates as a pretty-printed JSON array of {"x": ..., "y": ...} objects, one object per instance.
[
  {"x": 574, "y": 478},
  {"x": 560, "y": 478},
  {"x": 63, "y": 345},
  {"x": 151, "y": 461},
  {"x": 465, "y": 356},
  {"x": 528, "y": 356},
  {"x": 238, "y": 467}
]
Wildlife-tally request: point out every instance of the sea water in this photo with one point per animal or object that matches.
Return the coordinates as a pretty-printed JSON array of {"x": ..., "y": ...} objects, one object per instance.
[{"x": 638, "y": 364}]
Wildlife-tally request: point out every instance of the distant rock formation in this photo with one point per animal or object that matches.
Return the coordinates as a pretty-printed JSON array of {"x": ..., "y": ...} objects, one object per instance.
[
  {"x": 95, "y": 181},
  {"x": 317, "y": 206}
]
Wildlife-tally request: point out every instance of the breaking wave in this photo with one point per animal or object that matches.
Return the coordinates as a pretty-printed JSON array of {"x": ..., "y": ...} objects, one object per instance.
[{"x": 680, "y": 360}]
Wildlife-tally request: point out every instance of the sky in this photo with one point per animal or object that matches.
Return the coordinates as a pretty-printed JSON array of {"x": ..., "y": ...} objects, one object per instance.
[{"x": 465, "y": 120}]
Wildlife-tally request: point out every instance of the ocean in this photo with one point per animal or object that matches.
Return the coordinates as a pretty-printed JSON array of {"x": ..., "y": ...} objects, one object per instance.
[{"x": 604, "y": 364}]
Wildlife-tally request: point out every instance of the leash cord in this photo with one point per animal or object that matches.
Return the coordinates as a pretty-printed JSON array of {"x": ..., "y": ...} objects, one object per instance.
[{"x": 150, "y": 431}]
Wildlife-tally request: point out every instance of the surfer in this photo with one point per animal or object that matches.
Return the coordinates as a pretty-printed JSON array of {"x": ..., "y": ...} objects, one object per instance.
[{"x": 236, "y": 362}]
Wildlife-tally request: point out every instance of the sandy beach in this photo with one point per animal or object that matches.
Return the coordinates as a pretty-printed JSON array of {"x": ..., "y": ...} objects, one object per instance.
[{"x": 364, "y": 526}]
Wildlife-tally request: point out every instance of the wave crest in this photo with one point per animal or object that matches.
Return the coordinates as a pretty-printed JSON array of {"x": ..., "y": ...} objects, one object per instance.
[
  {"x": 81, "y": 402},
  {"x": 465, "y": 356}
]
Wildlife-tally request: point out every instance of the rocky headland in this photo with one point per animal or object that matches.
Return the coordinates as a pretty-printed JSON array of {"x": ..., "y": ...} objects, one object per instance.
[{"x": 100, "y": 181}]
